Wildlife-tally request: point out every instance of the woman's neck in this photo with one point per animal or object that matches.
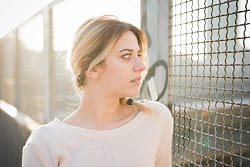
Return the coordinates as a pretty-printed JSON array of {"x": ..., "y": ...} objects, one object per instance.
[
  {"x": 100, "y": 108},
  {"x": 98, "y": 111}
]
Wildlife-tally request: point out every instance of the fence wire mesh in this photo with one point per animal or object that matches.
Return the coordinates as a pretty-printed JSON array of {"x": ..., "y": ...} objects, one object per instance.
[{"x": 209, "y": 87}]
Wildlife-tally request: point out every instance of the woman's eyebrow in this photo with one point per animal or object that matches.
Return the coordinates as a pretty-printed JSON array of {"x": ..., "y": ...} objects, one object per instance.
[{"x": 130, "y": 50}]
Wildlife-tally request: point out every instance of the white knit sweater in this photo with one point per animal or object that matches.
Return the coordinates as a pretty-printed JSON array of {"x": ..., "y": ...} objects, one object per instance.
[{"x": 145, "y": 141}]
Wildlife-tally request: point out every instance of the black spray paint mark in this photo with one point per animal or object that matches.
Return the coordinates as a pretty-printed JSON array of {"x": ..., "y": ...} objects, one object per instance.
[{"x": 151, "y": 73}]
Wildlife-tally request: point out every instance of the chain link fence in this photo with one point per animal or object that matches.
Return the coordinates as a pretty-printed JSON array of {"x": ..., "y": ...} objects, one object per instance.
[{"x": 209, "y": 86}]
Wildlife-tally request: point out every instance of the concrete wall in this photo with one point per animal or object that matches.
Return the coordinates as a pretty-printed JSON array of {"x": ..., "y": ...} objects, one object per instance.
[{"x": 155, "y": 22}]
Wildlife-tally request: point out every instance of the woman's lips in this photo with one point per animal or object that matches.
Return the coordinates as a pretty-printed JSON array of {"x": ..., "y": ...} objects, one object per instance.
[{"x": 137, "y": 80}]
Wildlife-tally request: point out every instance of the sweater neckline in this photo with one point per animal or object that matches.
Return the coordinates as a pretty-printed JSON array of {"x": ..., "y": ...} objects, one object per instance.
[{"x": 117, "y": 130}]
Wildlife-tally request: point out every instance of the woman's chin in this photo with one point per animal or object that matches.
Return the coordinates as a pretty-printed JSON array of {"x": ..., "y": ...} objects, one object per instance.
[{"x": 134, "y": 93}]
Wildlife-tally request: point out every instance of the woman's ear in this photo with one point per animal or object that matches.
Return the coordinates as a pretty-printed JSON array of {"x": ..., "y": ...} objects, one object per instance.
[{"x": 94, "y": 72}]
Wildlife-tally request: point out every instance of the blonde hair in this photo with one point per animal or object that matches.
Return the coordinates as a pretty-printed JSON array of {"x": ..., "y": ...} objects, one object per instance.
[{"x": 93, "y": 40}]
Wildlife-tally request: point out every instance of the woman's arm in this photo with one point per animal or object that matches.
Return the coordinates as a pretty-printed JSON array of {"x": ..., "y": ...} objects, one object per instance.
[
  {"x": 164, "y": 153},
  {"x": 34, "y": 156}
]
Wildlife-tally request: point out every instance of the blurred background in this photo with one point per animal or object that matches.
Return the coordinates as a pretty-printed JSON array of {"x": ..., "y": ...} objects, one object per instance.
[{"x": 199, "y": 55}]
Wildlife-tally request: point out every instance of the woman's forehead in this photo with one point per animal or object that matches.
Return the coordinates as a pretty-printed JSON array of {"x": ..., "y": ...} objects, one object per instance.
[{"x": 127, "y": 41}]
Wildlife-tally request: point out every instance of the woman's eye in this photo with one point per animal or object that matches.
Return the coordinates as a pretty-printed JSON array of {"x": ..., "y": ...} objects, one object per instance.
[
  {"x": 126, "y": 56},
  {"x": 141, "y": 56}
]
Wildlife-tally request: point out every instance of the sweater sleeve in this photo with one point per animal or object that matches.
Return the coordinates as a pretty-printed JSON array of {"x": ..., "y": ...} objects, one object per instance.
[
  {"x": 164, "y": 154},
  {"x": 34, "y": 156}
]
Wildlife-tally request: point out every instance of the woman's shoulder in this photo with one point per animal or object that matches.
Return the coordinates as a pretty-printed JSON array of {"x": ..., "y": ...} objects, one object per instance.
[
  {"x": 159, "y": 109},
  {"x": 42, "y": 133},
  {"x": 157, "y": 106}
]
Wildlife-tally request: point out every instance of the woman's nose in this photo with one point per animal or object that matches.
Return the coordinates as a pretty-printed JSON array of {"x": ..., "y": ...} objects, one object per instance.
[{"x": 139, "y": 65}]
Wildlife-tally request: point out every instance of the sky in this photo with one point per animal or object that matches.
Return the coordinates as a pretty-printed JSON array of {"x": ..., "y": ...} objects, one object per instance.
[
  {"x": 67, "y": 16},
  {"x": 14, "y": 12}
]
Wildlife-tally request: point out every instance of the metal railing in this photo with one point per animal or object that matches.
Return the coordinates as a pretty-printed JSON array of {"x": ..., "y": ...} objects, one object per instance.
[{"x": 209, "y": 87}]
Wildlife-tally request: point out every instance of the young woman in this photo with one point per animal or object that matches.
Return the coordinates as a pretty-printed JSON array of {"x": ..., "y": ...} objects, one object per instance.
[{"x": 108, "y": 62}]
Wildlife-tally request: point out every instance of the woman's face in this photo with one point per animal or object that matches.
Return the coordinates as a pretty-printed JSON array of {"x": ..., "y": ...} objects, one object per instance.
[{"x": 124, "y": 67}]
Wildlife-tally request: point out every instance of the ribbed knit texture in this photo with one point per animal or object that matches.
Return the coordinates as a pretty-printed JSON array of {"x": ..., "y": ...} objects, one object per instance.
[{"x": 142, "y": 142}]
